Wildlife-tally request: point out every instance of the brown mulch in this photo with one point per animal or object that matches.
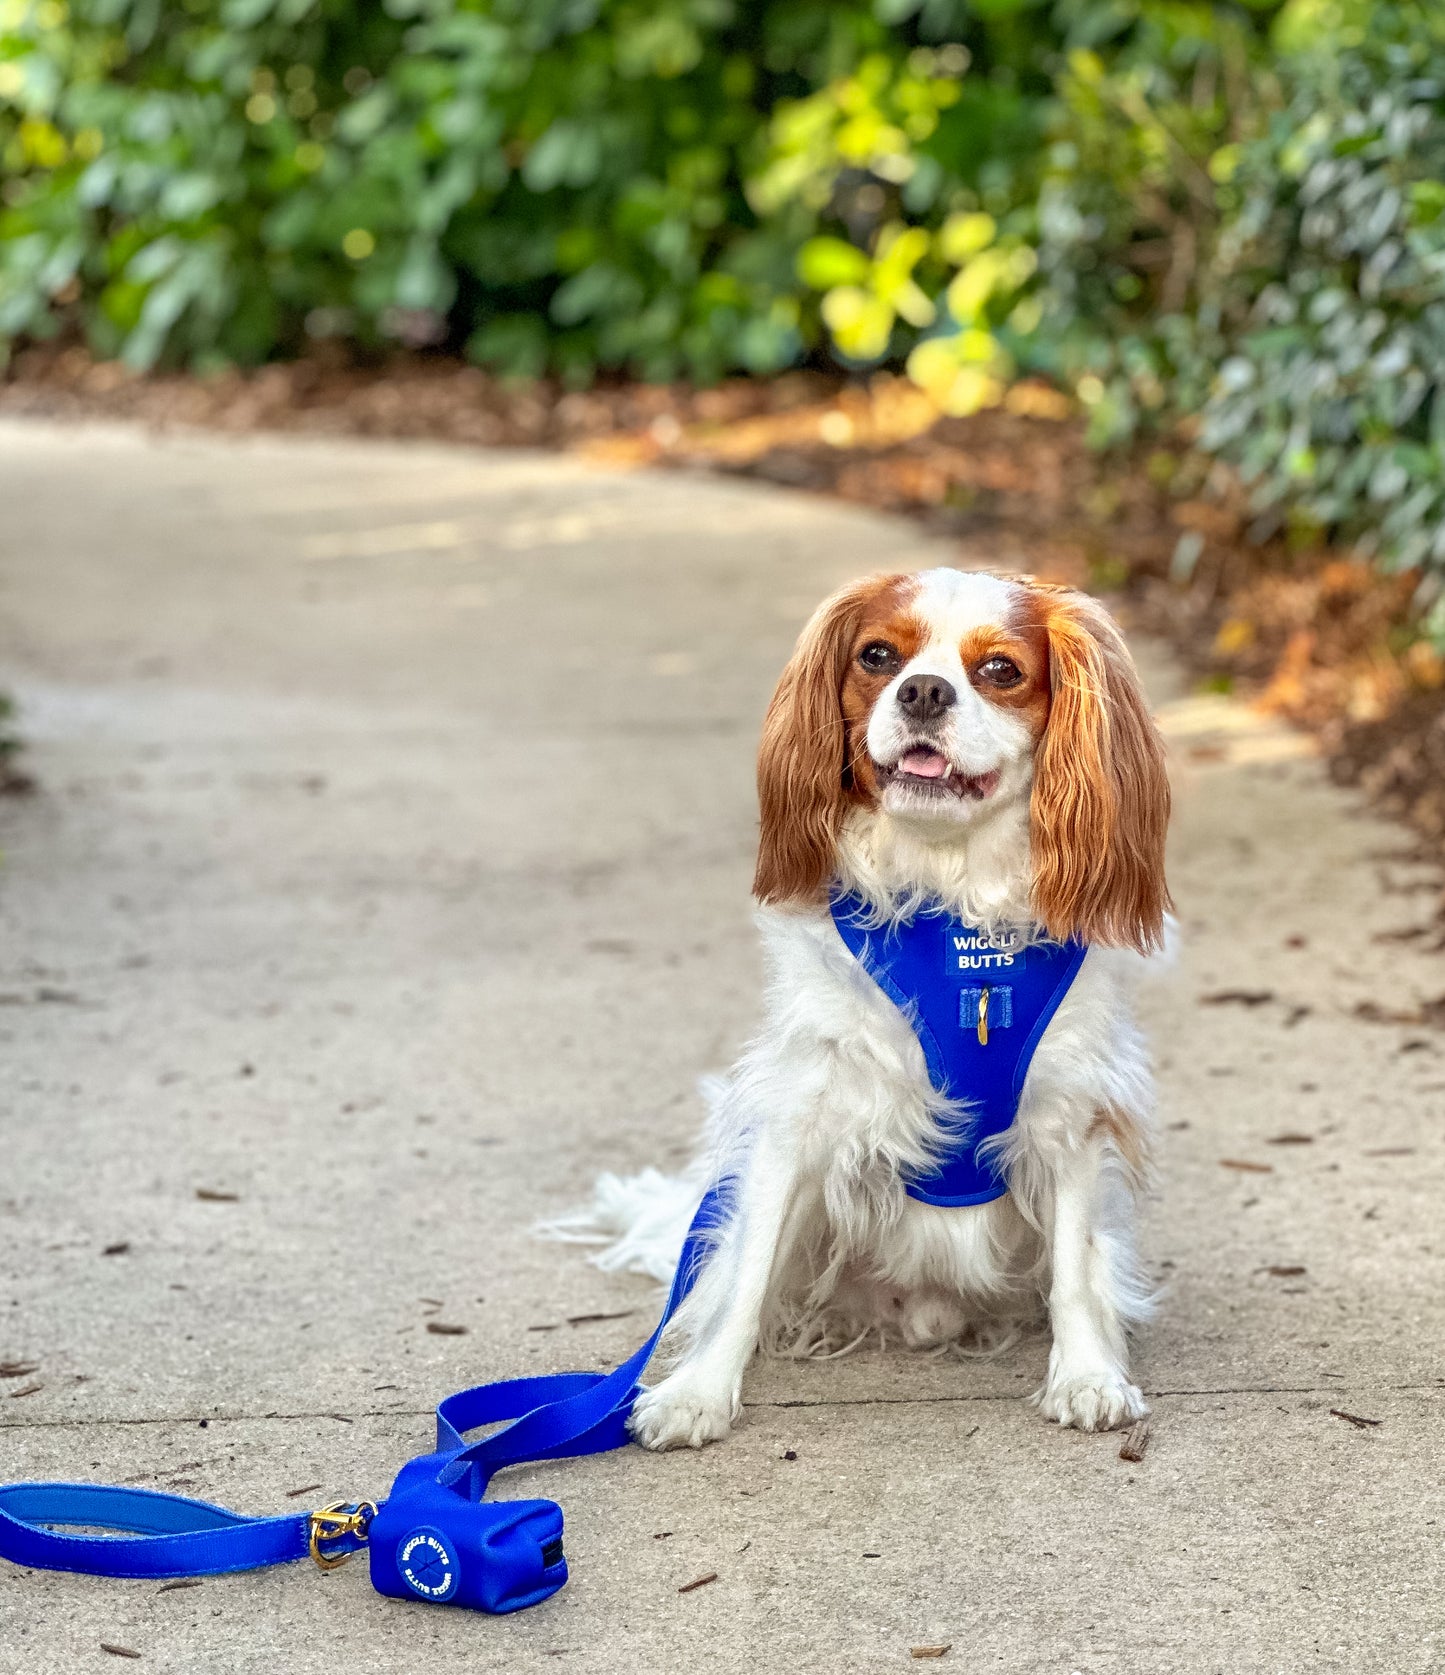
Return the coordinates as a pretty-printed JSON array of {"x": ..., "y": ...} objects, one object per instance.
[{"x": 1319, "y": 638}]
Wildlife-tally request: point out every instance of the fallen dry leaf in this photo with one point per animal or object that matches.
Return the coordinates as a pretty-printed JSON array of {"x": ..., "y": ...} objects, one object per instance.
[
  {"x": 118, "y": 1651},
  {"x": 442, "y": 1329},
  {"x": 180, "y": 1582},
  {"x": 1355, "y": 1419},
  {"x": 305, "y": 1489},
  {"x": 929, "y": 1651},
  {"x": 1290, "y": 1140},
  {"x": 18, "y": 1369},
  {"x": 1284, "y": 1270},
  {"x": 1237, "y": 997},
  {"x": 587, "y": 1319},
  {"x": 1430, "y": 1013},
  {"x": 701, "y": 1582},
  {"x": 26, "y": 1390},
  {"x": 1246, "y": 1168},
  {"x": 209, "y": 1195}
]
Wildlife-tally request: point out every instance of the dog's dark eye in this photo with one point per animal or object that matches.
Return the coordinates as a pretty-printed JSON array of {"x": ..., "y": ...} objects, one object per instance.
[
  {"x": 1000, "y": 671},
  {"x": 879, "y": 658}
]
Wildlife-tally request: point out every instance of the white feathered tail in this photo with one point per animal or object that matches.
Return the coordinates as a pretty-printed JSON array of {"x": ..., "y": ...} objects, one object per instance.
[{"x": 639, "y": 1220}]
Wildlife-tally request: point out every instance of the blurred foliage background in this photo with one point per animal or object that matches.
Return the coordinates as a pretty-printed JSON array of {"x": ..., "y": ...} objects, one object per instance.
[{"x": 1231, "y": 215}]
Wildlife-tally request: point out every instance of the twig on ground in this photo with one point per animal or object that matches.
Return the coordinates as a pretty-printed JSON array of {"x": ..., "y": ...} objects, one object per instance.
[
  {"x": 1355, "y": 1419},
  {"x": 1136, "y": 1440}
]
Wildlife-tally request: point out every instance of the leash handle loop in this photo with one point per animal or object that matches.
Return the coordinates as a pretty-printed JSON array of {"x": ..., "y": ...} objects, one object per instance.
[{"x": 162, "y": 1535}]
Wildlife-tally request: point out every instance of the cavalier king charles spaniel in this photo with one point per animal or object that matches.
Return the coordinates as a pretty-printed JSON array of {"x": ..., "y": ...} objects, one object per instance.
[{"x": 950, "y": 742}]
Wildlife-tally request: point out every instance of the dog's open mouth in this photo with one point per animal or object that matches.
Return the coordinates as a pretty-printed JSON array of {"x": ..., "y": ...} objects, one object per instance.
[{"x": 925, "y": 769}]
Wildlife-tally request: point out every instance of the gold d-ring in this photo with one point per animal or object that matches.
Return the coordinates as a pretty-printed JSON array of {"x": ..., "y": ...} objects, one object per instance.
[{"x": 330, "y": 1523}]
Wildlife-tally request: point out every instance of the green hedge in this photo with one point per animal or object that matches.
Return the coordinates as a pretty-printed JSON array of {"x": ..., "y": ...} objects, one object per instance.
[
  {"x": 550, "y": 185},
  {"x": 1278, "y": 269},
  {"x": 1231, "y": 213}
]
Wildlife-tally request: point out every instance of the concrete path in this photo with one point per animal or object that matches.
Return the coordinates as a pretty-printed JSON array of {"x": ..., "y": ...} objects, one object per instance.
[{"x": 388, "y": 878}]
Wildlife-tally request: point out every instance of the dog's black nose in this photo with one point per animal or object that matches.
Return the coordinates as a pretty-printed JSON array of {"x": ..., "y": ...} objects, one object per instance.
[{"x": 922, "y": 697}]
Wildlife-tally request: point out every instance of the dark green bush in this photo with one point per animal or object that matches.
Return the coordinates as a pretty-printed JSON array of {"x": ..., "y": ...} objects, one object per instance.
[
  {"x": 1274, "y": 263},
  {"x": 1329, "y": 281},
  {"x": 552, "y": 185}
]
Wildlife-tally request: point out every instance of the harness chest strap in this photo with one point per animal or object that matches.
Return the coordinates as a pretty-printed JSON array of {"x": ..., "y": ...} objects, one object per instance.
[{"x": 979, "y": 1002}]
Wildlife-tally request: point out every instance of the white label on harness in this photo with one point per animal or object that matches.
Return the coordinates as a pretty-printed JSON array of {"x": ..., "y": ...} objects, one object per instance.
[{"x": 970, "y": 951}]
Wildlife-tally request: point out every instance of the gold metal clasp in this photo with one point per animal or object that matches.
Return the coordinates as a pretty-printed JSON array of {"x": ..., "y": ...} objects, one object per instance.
[
  {"x": 983, "y": 1018},
  {"x": 330, "y": 1523}
]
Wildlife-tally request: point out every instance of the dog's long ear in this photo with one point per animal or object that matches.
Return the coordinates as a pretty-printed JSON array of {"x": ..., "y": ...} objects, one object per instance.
[
  {"x": 802, "y": 759},
  {"x": 1100, "y": 807}
]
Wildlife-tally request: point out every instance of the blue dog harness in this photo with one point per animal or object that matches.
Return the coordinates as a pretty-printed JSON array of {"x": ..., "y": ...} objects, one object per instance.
[{"x": 979, "y": 1002}]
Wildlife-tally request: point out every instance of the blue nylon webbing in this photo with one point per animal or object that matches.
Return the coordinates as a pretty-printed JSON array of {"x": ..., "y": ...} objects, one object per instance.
[{"x": 552, "y": 1416}]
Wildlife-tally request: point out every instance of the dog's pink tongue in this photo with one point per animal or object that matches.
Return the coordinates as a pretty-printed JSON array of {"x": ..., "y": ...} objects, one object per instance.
[{"x": 924, "y": 764}]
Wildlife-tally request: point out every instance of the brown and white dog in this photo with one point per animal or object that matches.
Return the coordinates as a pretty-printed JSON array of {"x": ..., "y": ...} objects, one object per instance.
[{"x": 978, "y": 742}]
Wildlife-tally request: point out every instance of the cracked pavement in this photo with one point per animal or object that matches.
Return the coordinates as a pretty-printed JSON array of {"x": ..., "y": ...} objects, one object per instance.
[{"x": 388, "y": 878}]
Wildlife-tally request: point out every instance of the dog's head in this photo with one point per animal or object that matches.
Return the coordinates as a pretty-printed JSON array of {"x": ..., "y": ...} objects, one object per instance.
[{"x": 943, "y": 698}]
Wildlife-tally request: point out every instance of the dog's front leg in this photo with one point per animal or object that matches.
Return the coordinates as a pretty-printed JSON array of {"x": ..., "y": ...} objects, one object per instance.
[
  {"x": 701, "y": 1397},
  {"x": 1088, "y": 1383}
]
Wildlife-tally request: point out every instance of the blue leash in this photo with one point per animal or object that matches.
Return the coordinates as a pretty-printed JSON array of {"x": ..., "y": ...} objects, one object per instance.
[{"x": 434, "y": 1538}]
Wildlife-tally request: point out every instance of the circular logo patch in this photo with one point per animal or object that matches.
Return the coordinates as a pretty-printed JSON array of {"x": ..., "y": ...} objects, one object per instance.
[{"x": 428, "y": 1565}]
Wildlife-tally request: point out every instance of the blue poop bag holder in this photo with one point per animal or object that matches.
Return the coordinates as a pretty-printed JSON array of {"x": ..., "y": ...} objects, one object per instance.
[
  {"x": 434, "y": 1538},
  {"x": 979, "y": 1004}
]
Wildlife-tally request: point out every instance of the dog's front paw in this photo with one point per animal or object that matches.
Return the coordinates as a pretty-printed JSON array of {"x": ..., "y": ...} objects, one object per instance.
[
  {"x": 1094, "y": 1401},
  {"x": 684, "y": 1411}
]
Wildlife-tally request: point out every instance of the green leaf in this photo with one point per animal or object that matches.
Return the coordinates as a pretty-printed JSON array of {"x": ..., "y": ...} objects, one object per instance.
[{"x": 824, "y": 262}]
